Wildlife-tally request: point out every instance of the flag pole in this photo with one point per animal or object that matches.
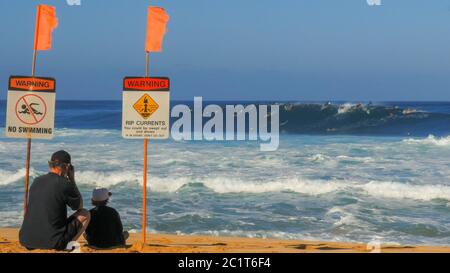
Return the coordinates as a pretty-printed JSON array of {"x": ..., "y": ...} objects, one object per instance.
[
  {"x": 27, "y": 163},
  {"x": 144, "y": 192},
  {"x": 27, "y": 176},
  {"x": 33, "y": 72},
  {"x": 144, "y": 178}
]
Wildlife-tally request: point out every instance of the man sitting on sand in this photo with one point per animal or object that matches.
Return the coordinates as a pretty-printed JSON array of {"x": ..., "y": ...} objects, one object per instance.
[
  {"x": 105, "y": 229},
  {"x": 46, "y": 225}
]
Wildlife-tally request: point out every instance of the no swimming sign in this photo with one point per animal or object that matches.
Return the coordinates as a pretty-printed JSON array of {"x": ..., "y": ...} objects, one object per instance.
[{"x": 30, "y": 107}]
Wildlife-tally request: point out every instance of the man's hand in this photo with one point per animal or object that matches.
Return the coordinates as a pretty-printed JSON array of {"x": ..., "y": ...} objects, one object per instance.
[{"x": 71, "y": 173}]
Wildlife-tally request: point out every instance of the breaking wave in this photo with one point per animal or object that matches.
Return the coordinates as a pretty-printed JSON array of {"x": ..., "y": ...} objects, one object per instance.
[
  {"x": 397, "y": 190},
  {"x": 430, "y": 140},
  {"x": 361, "y": 119},
  {"x": 225, "y": 185},
  {"x": 295, "y": 118},
  {"x": 9, "y": 177}
]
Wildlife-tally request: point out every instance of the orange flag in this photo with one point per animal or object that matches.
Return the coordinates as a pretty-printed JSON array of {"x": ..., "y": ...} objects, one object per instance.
[
  {"x": 46, "y": 21},
  {"x": 156, "y": 28}
]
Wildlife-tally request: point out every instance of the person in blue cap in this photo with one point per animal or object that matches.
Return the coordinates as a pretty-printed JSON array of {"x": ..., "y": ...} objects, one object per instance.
[{"x": 105, "y": 229}]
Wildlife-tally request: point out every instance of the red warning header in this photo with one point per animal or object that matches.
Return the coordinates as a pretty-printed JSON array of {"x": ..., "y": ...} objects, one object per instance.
[
  {"x": 146, "y": 84},
  {"x": 26, "y": 83}
]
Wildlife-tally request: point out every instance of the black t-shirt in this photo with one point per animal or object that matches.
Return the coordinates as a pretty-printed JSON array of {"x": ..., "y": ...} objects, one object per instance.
[
  {"x": 105, "y": 228},
  {"x": 46, "y": 217}
]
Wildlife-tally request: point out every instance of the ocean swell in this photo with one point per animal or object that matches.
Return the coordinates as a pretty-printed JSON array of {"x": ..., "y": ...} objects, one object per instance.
[
  {"x": 361, "y": 119},
  {"x": 227, "y": 185}
]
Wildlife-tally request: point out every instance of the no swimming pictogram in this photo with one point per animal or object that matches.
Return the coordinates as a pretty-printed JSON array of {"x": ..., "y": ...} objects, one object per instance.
[{"x": 31, "y": 109}]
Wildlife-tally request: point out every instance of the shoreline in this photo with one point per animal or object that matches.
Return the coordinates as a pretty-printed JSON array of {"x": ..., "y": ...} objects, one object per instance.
[{"x": 169, "y": 243}]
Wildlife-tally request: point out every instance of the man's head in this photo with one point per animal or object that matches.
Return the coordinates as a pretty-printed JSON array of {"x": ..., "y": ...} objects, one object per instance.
[
  {"x": 100, "y": 196},
  {"x": 60, "y": 163}
]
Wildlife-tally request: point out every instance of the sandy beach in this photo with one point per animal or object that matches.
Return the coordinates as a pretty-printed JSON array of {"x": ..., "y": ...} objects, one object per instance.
[{"x": 165, "y": 243}]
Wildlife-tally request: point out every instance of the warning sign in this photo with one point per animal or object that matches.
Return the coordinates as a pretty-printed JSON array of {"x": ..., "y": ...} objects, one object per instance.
[
  {"x": 146, "y": 108},
  {"x": 30, "y": 107}
]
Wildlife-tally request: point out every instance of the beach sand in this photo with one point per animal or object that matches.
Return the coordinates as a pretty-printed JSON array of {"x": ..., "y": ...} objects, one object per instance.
[{"x": 165, "y": 243}]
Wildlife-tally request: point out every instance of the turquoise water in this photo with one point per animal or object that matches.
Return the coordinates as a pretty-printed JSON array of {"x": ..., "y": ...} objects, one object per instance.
[
  {"x": 343, "y": 172},
  {"x": 325, "y": 187}
]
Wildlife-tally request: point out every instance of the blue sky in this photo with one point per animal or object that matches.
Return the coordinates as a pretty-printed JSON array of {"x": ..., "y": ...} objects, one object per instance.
[{"x": 241, "y": 50}]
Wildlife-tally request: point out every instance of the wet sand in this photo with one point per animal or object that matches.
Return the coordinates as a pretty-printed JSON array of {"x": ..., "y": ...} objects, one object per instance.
[{"x": 166, "y": 243}]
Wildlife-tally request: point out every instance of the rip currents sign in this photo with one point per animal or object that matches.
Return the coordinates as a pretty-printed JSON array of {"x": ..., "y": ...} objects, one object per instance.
[
  {"x": 146, "y": 107},
  {"x": 30, "y": 108}
]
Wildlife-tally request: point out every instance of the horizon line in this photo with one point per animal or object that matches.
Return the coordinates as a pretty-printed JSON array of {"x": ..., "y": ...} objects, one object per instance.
[{"x": 266, "y": 100}]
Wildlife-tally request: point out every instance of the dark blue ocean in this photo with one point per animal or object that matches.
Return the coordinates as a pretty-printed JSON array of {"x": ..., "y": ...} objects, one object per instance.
[
  {"x": 343, "y": 172},
  {"x": 381, "y": 118}
]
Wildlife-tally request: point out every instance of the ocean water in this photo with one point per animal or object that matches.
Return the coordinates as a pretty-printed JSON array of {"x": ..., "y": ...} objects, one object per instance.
[{"x": 343, "y": 172}]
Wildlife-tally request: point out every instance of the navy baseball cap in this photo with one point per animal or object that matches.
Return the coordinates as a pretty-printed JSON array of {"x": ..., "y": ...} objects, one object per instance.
[{"x": 61, "y": 157}]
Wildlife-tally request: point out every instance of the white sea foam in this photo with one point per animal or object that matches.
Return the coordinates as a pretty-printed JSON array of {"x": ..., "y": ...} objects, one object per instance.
[
  {"x": 217, "y": 184},
  {"x": 65, "y": 132},
  {"x": 345, "y": 218},
  {"x": 395, "y": 190},
  {"x": 322, "y": 157},
  {"x": 173, "y": 216},
  {"x": 222, "y": 185},
  {"x": 430, "y": 140},
  {"x": 364, "y": 159},
  {"x": 310, "y": 187},
  {"x": 254, "y": 234},
  {"x": 344, "y": 108},
  {"x": 404, "y": 190},
  {"x": 318, "y": 157},
  {"x": 106, "y": 179},
  {"x": 9, "y": 177}
]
